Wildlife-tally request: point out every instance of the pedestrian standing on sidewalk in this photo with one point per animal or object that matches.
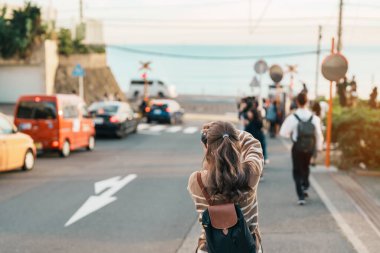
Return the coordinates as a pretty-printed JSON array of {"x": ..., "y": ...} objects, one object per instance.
[
  {"x": 272, "y": 117},
  {"x": 254, "y": 125},
  {"x": 304, "y": 129},
  {"x": 231, "y": 171}
]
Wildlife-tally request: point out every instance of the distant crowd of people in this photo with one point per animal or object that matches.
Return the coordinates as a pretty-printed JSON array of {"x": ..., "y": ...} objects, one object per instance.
[
  {"x": 347, "y": 92},
  {"x": 257, "y": 115}
]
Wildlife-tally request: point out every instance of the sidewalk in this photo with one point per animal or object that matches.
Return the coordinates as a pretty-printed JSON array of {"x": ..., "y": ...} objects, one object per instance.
[{"x": 329, "y": 222}]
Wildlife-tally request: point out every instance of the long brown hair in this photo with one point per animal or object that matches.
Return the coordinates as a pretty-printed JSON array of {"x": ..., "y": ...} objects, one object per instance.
[{"x": 228, "y": 178}]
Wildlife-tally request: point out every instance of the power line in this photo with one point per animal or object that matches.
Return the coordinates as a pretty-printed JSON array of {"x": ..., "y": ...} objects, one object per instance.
[
  {"x": 261, "y": 17},
  {"x": 182, "y": 5},
  {"x": 208, "y": 57}
]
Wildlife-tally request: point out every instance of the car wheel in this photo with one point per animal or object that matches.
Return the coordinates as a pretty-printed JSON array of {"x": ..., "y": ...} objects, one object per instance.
[
  {"x": 91, "y": 143},
  {"x": 161, "y": 94},
  {"x": 135, "y": 129},
  {"x": 120, "y": 134},
  {"x": 65, "y": 151},
  {"x": 28, "y": 161}
]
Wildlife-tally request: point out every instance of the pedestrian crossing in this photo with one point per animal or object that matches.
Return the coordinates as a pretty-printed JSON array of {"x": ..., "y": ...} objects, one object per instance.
[{"x": 157, "y": 129}]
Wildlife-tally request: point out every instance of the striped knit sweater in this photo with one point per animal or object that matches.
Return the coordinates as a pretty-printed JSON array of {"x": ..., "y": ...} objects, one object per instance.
[{"x": 251, "y": 153}]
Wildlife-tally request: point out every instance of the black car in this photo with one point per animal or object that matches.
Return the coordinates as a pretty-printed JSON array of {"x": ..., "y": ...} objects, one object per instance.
[
  {"x": 165, "y": 111},
  {"x": 113, "y": 118}
]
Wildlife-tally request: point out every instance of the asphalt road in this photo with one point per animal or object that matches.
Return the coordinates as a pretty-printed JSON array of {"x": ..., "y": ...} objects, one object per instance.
[{"x": 153, "y": 212}]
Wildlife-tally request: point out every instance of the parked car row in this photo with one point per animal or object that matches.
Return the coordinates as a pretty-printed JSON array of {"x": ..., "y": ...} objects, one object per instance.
[
  {"x": 17, "y": 150},
  {"x": 62, "y": 123},
  {"x": 59, "y": 123}
]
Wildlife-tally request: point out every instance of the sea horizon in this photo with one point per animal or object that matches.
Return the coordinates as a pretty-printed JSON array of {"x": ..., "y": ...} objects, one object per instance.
[{"x": 232, "y": 77}]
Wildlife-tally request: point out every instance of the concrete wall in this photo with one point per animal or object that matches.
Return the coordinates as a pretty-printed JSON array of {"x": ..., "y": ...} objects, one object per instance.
[
  {"x": 51, "y": 65},
  {"x": 91, "y": 61},
  {"x": 33, "y": 76}
]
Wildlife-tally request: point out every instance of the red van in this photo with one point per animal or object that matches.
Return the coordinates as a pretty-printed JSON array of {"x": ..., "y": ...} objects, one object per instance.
[{"x": 56, "y": 122}]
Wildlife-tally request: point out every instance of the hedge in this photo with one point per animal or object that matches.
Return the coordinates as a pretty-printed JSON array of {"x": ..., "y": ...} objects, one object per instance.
[{"x": 357, "y": 132}]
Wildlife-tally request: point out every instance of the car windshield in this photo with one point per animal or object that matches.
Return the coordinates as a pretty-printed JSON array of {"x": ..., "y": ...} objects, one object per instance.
[
  {"x": 159, "y": 106},
  {"x": 37, "y": 110},
  {"x": 104, "y": 109}
]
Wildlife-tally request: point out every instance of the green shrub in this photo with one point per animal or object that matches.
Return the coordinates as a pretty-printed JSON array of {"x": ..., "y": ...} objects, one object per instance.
[
  {"x": 21, "y": 32},
  {"x": 65, "y": 42},
  {"x": 67, "y": 45},
  {"x": 357, "y": 132}
]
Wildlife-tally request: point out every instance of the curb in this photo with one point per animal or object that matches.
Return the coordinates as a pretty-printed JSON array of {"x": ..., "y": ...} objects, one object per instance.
[{"x": 189, "y": 243}]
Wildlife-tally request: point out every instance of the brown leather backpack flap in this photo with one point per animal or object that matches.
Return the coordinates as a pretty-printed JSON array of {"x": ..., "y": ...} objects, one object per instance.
[{"x": 223, "y": 216}]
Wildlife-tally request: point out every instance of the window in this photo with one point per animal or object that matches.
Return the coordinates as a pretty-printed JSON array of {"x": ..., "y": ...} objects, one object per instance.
[
  {"x": 36, "y": 110},
  {"x": 161, "y": 83},
  {"x": 5, "y": 126},
  {"x": 103, "y": 109},
  {"x": 70, "y": 112}
]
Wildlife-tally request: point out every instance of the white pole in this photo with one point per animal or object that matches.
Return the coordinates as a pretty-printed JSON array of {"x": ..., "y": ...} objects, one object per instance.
[{"x": 81, "y": 88}]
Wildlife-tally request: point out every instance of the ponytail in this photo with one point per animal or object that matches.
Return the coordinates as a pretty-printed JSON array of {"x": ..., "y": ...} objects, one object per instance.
[{"x": 227, "y": 176}]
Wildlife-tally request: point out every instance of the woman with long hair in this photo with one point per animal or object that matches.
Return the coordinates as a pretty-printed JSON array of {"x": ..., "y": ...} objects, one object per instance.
[{"x": 232, "y": 166}]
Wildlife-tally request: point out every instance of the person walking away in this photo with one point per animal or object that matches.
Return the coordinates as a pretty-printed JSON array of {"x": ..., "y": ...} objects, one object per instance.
[
  {"x": 254, "y": 125},
  {"x": 232, "y": 166},
  {"x": 243, "y": 108},
  {"x": 305, "y": 131},
  {"x": 272, "y": 118},
  {"x": 342, "y": 91},
  {"x": 317, "y": 110},
  {"x": 373, "y": 98}
]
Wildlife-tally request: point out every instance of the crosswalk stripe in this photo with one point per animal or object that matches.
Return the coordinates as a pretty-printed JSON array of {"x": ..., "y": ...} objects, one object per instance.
[
  {"x": 142, "y": 126},
  {"x": 190, "y": 130},
  {"x": 174, "y": 129},
  {"x": 157, "y": 128}
]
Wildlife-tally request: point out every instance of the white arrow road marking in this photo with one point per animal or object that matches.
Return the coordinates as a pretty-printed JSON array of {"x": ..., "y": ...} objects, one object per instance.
[
  {"x": 95, "y": 203},
  {"x": 174, "y": 129},
  {"x": 157, "y": 128},
  {"x": 190, "y": 130},
  {"x": 142, "y": 126}
]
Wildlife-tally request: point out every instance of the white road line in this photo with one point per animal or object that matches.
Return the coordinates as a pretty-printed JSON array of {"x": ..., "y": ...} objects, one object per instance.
[
  {"x": 157, "y": 128},
  {"x": 149, "y": 133},
  {"x": 346, "y": 229},
  {"x": 190, "y": 130},
  {"x": 348, "y": 232},
  {"x": 142, "y": 126},
  {"x": 174, "y": 129}
]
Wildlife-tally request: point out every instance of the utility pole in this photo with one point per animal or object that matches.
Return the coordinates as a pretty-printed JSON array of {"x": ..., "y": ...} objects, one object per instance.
[
  {"x": 250, "y": 16},
  {"x": 339, "y": 44},
  {"x": 81, "y": 11},
  {"x": 318, "y": 57}
]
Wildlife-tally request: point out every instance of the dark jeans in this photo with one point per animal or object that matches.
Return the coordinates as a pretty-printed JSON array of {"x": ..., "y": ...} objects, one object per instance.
[
  {"x": 301, "y": 171},
  {"x": 272, "y": 129}
]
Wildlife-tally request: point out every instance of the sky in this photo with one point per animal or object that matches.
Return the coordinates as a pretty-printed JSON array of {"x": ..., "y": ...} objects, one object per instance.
[
  {"x": 236, "y": 22},
  {"x": 285, "y": 22}
]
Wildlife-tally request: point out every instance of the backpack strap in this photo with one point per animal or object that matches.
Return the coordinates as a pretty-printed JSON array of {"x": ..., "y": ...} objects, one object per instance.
[
  {"x": 201, "y": 185},
  {"x": 298, "y": 118},
  {"x": 311, "y": 118}
]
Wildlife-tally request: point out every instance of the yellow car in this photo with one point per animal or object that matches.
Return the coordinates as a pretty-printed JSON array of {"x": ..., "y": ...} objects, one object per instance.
[{"x": 17, "y": 150}]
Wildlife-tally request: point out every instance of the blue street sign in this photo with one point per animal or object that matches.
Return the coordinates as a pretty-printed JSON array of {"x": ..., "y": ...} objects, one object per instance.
[{"x": 78, "y": 71}]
